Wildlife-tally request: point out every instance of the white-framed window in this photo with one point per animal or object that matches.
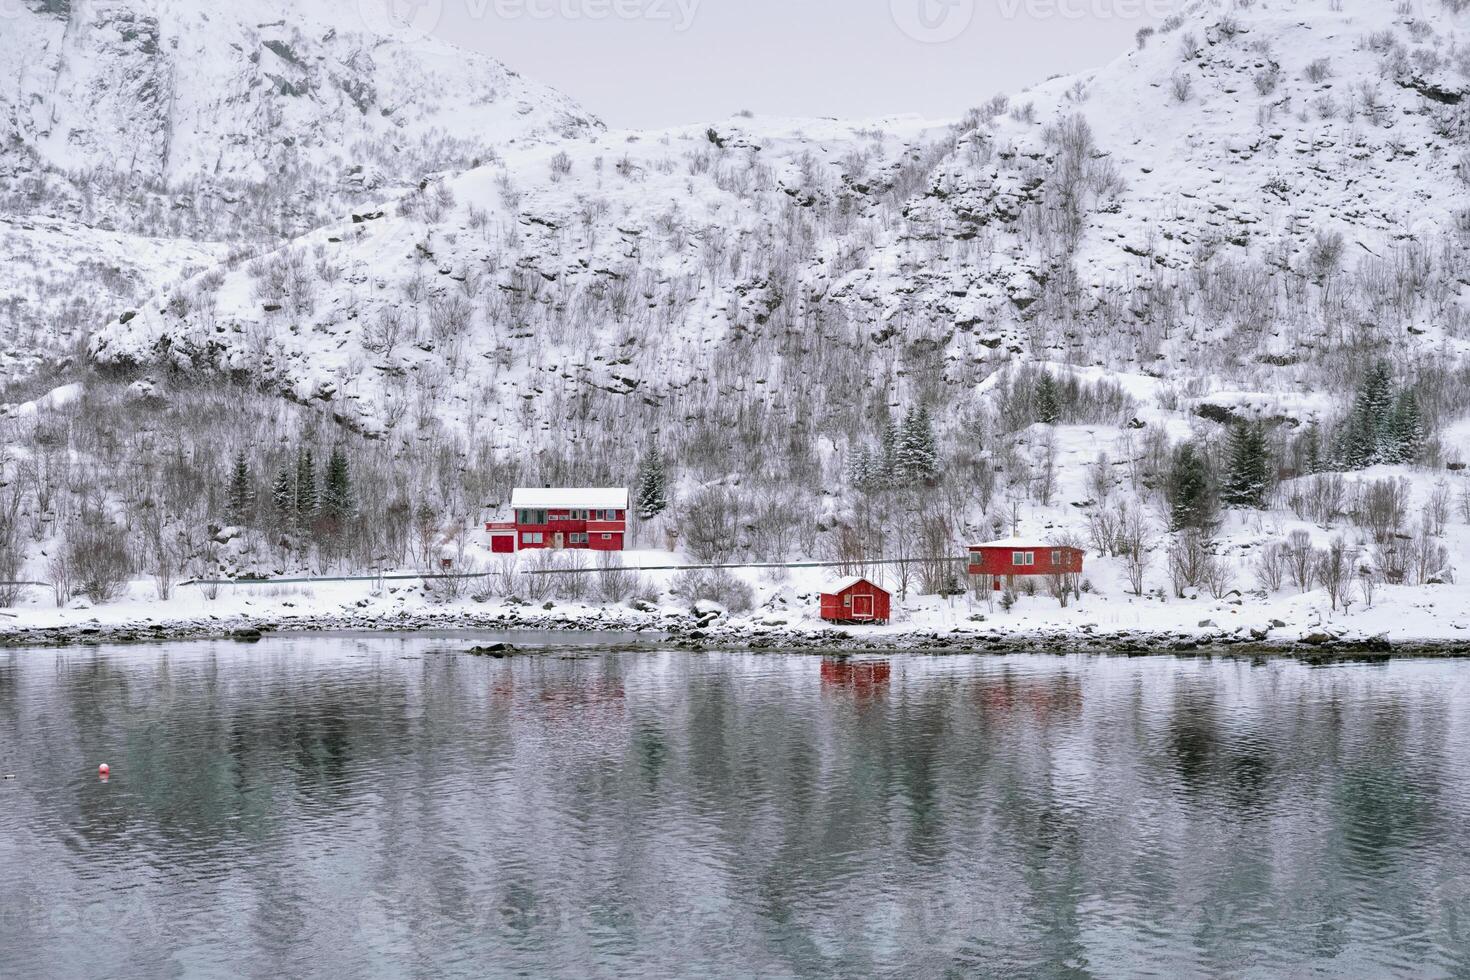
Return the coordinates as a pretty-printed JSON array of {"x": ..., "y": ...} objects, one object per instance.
[
  {"x": 607, "y": 537},
  {"x": 578, "y": 538},
  {"x": 533, "y": 537},
  {"x": 1023, "y": 558},
  {"x": 1058, "y": 558}
]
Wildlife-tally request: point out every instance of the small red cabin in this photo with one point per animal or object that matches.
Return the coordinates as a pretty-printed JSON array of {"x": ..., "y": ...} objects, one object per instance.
[
  {"x": 563, "y": 519},
  {"x": 1017, "y": 557},
  {"x": 856, "y": 600}
]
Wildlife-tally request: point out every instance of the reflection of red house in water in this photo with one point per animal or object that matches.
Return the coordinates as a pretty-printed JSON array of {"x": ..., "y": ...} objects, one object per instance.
[
  {"x": 563, "y": 519},
  {"x": 856, "y": 600},
  {"x": 1040, "y": 697},
  {"x": 862, "y": 675},
  {"x": 1017, "y": 558}
]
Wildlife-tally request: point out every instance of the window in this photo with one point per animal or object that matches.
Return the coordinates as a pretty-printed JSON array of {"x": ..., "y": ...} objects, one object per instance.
[
  {"x": 1058, "y": 559},
  {"x": 533, "y": 537},
  {"x": 607, "y": 537},
  {"x": 579, "y": 539},
  {"x": 1023, "y": 558},
  {"x": 847, "y": 600},
  {"x": 531, "y": 517}
]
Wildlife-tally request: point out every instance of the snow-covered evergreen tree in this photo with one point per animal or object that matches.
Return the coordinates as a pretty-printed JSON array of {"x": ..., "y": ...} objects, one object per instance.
[
  {"x": 283, "y": 497},
  {"x": 307, "y": 500},
  {"x": 1406, "y": 437},
  {"x": 336, "y": 502},
  {"x": 653, "y": 488},
  {"x": 1311, "y": 449},
  {"x": 860, "y": 465},
  {"x": 1048, "y": 402},
  {"x": 887, "y": 465},
  {"x": 1248, "y": 475},
  {"x": 1191, "y": 499},
  {"x": 241, "y": 492},
  {"x": 918, "y": 450},
  {"x": 1368, "y": 434}
]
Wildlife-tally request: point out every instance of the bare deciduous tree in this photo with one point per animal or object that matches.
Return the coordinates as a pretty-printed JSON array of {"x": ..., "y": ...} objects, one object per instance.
[{"x": 1336, "y": 571}]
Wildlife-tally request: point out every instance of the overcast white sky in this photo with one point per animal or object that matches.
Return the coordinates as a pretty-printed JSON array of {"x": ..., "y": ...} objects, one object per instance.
[{"x": 647, "y": 63}]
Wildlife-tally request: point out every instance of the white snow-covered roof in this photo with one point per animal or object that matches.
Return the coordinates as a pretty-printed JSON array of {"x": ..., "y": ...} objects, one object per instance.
[
  {"x": 1020, "y": 543},
  {"x": 842, "y": 585},
  {"x": 570, "y": 498}
]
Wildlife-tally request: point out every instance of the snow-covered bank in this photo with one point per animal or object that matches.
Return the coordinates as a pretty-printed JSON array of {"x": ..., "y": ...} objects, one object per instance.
[
  {"x": 1405, "y": 622},
  {"x": 780, "y": 608}
]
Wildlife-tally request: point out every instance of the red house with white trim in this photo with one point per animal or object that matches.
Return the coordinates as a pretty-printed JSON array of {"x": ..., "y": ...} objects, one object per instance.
[
  {"x": 570, "y": 519},
  {"x": 1013, "y": 558},
  {"x": 856, "y": 600}
]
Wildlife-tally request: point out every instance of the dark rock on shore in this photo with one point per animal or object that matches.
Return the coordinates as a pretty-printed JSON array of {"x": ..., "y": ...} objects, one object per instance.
[{"x": 496, "y": 651}]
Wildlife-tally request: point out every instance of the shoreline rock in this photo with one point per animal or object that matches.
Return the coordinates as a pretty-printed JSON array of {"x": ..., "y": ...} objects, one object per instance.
[{"x": 685, "y": 633}]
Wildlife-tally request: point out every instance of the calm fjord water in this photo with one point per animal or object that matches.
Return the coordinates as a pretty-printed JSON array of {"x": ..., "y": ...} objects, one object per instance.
[{"x": 389, "y": 807}]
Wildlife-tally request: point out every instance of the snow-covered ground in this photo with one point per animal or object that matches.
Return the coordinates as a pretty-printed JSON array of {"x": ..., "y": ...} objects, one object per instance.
[
  {"x": 786, "y": 602},
  {"x": 1230, "y": 222}
]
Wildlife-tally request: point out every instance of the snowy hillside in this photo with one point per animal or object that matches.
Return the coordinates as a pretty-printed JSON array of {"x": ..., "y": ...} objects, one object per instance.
[
  {"x": 1202, "y": 311},
  {"x": 137, "y": 134},
  {"x": 1237, "y": 203},
  {"x": 178, "y": 91}
]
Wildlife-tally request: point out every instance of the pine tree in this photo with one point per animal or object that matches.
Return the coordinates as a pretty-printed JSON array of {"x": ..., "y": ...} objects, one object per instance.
[
  {"x": 653, "y": 494},
  {"x": 1048, "y": 404},
  {"x": 283, "y": 497},
  {"x": 1367, "y": 438},
  {"x": 887, "y": 467},
  {"x": 1406, "y": 439},
  {"x": 1249, "y": 473},
  {"x": 917, "y": 454},
  {"x": 241, "y": 493},
  {"x": 1312, "y": 460},
  {"x": 306, "y": 495},
  {"x": 860, "y": 469},
  {"x": 1191, "y": 504},
  {"x": 1378, "y": 394},
  {"x": 337, "y": 503}
]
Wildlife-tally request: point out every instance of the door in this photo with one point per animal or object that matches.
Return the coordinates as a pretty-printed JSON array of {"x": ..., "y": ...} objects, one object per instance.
[
  {"x": 559, "y": 540},
  {"x": 862, "y": 607}
]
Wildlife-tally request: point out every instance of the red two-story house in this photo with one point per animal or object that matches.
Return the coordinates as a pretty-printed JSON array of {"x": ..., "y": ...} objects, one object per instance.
[
  {"x": 570, "y": 519},
  {"x": 1001, "y": 561}
]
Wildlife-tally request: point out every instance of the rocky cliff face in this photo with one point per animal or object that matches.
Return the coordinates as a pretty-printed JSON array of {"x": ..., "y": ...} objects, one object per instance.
[
  {"x": 136, "y": 134},
  {"x": 1256, "y": 197},
  {"x": 182, "y": 90}
]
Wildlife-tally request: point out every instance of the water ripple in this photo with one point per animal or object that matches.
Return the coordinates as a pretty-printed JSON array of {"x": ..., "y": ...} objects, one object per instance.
[{"x": 363, "y": 806}]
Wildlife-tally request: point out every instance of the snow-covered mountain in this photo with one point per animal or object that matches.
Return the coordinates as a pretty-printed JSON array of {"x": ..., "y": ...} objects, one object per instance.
[
  {"x": 1262, "y": 212},
  {"x": 177, "y": 91},
  {"x": 1255, "y": 192},
  {"x": 135, "y": 135}
]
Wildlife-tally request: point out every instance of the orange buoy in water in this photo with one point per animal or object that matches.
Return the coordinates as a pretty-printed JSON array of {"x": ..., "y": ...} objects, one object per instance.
[{"x": 104, "y": 770}]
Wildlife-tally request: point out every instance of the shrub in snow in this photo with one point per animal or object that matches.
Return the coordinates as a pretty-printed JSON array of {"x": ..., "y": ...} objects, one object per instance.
[
  {"x": 95, "y": 562},
  {"x": 716, "y": 585}
]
